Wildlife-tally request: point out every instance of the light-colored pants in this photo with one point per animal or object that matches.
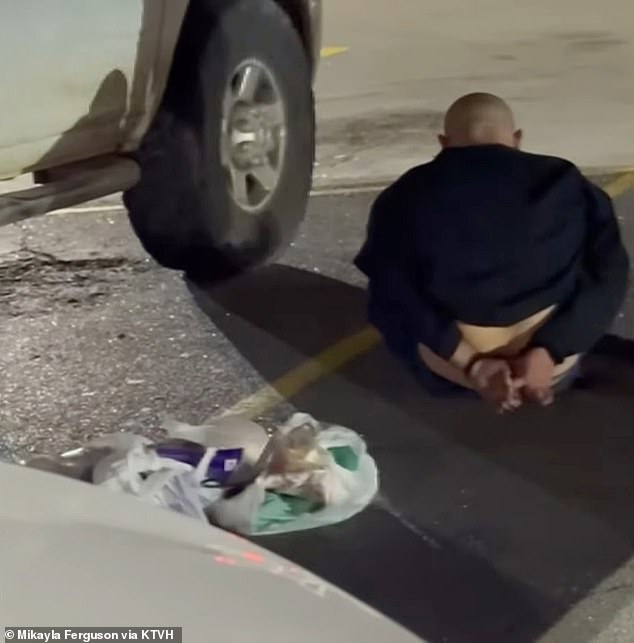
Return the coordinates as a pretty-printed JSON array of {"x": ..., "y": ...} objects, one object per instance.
[{"x": 505, "y": 341}]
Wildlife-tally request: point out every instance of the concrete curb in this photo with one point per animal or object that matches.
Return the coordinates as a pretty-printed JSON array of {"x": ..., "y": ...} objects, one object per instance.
[
  {"x": 346, "y": 186},
  {"x": 353, "y": 185}
]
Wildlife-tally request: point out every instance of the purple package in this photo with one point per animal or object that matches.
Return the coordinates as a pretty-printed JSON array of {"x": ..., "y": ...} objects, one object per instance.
[{"x": 221, "y": 466}]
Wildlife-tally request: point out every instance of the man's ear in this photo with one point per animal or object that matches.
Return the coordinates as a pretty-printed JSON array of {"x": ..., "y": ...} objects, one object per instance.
[
  {"x": 443, "y": 140},
  {"x": 517, "y": 138}
]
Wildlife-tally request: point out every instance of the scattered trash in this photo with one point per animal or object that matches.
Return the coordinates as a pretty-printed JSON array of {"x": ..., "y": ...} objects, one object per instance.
[{"x": 240, "y": 475}]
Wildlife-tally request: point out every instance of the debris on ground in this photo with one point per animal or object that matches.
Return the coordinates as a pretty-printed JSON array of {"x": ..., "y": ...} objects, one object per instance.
[{"x": 235, "y": 473}]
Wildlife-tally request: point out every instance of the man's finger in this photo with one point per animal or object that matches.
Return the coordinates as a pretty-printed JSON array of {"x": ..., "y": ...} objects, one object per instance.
[
  {"x": 546, "y": 397},
  {"x": 541, "y": 395},
  {"x": 518, "y": 383},
  {"x": 514, "y": 404},
  {"x": 504, "y": 407},
  {"x": 510, "y": 402},
  {"x": 508, "y": 407}
]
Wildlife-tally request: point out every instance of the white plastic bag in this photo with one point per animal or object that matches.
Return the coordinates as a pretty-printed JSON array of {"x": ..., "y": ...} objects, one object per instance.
[
  {"x": 345, "y": 493},
  {"x": 238, "y": 513},
  {"x": 293, "y": 482},
  {"x": 134, "y": 468},
  {"x": 229, "y": 432}
]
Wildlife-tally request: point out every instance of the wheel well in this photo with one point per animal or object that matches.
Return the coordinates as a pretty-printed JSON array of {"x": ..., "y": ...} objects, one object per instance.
[
  {"x": 198, "y": 20},
  {"x": 296, "y": 11}
]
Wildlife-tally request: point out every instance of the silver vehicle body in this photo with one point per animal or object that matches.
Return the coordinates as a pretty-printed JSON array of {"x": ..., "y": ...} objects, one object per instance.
[
  {"x": 80, "y": 81},
  {"x": 77, "y": 555}
]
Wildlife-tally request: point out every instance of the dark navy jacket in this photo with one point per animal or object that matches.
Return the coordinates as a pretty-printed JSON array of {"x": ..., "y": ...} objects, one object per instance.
[{"x": 489, "y": 235}]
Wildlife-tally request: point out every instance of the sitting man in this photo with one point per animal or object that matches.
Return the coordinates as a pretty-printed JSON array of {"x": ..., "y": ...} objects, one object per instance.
[{"x": 492, "y": 270}]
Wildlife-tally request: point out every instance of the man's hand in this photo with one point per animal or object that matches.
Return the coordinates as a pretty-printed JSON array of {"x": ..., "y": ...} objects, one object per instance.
[
  {"x": 536, "y": 369},
  {"x": 493, "y": 379}
]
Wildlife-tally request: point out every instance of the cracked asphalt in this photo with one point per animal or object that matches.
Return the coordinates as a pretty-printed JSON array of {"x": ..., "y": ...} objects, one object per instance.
[
  {"x": 487, "y": 529},
  {"x": 96, "y": 337}
]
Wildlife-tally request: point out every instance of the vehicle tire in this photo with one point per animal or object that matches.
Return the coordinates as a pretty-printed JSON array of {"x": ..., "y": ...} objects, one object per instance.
[{"x": 226, "y": 166}]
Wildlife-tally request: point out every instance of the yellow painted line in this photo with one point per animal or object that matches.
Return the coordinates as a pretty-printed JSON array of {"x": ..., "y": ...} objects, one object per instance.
[
  {"x": 620, "y": 185},
  {"x": 296, "y": 380},
  {"x": 327, "y": 52}
]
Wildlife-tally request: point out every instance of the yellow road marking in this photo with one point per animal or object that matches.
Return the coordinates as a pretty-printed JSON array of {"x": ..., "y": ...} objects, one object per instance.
[
  {"x": 297, "y": 379},
  {"x": 620, "y": 185},
  {"x": 343, "y": 352},
  {"x": 327, "y": 52}
]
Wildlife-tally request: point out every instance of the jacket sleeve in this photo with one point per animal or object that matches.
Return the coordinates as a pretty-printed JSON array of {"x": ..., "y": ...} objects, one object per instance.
[
  {"x": 399, "y": 310},
  {"x": 579, "y": 323}
]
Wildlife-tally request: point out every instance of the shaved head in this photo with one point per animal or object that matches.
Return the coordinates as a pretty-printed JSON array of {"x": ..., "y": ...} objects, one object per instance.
[{"x": 480, "y": 119}]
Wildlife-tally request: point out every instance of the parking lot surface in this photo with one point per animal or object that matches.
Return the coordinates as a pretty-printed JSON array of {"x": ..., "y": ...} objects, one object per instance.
[{"x": 487, "y": 529}]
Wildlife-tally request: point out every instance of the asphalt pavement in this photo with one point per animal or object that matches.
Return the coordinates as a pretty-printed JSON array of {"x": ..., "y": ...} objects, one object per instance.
[{"x": 487, "y": 529}]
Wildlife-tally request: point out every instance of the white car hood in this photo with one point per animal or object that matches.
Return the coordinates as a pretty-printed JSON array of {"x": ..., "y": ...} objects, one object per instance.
[{"x": 76, "y": 555}]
